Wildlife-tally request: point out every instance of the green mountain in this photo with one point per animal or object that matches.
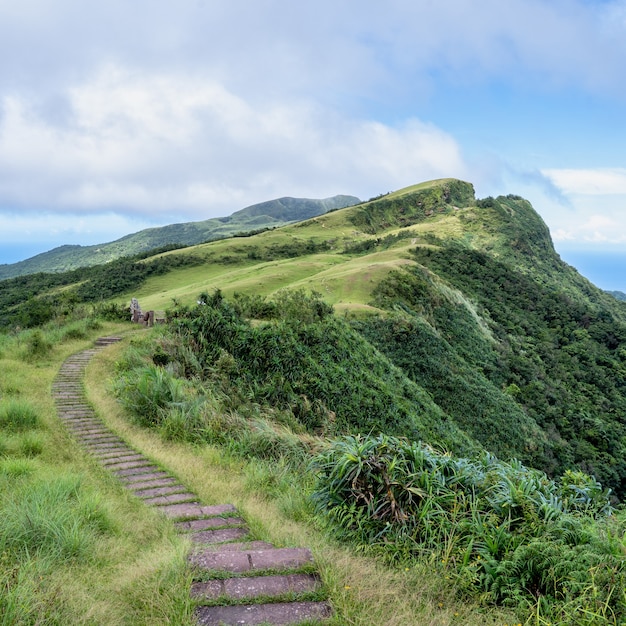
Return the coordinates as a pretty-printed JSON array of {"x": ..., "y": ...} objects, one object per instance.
[
  {"x": 618, "y": 295},
  {"x": 260, "y": 216},
  {"x": 456, "y": 315}
]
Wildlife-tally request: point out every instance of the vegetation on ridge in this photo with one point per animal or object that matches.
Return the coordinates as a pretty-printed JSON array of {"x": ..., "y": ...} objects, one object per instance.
[
  {"x": 502, "y": 531},
  {"x": 455, "y": 323},
  {"x": 255, "y": 218}
]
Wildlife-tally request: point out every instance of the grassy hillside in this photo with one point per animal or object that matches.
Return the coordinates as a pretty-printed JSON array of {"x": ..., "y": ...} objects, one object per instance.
[
  {"x": 468, "y": 298},
  {"x": 264, "y": 215},
  {"x": 439, "y": 318},
  {"x": 77, "y": 548}
]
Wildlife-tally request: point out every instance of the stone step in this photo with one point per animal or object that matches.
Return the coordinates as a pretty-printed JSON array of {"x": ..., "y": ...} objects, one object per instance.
[
  {"x": 191, "y": 511},
  {"x": 159, "y": 481},
  {"x": 161, "y": 490},
  {"x": 142, "y": 463},
  {"x": 96, "y": 441},
  {"x": 241, "y": 546},
  {"x": 279, "y": 614},
  {"x": 90, "y": 431},
  {"x": 147, "y": 470},
  {"x": 177, "y": 498},
  {"x": 239, "y": 562},
  {"x": 127, "y": 456},
  {"x": 223, "y": 535},
  {"x": 140, "y": 473},
  {"x": 209, "y": 523},
  {"x": 76, "y": 419},
  {"x": 246, "y": 588},
  {"x": 149, "y": 474},
  {"x": 95, "y": 433},
  {"x": 99, "y": 449},
  {"x": 217, "y": 531},
  {"x": 105, "y": 445},
  {"x": 107, "y": 341},
  {"x": 110, "y": 452}
]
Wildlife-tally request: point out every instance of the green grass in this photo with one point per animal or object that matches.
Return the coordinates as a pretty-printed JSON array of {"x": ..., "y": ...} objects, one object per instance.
[
  {"x": 275, "y": 505},
  {"x": 343, "y": 279},
  {"x": 18, "y": 415},
  {"x": 75, "y": 548},
  {"x": 231, "y": 265},
  {"x": 521, "y": 351}
]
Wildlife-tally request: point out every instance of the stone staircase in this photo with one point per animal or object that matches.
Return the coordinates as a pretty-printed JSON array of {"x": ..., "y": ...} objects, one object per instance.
[{"x": 238, "y": 580}]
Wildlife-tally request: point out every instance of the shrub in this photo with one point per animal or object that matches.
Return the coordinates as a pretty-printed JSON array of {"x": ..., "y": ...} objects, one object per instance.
[
  {"x": 37, "y": 345},
  {"x": 148, "y": 394},
  {"x": 506, "y": 532},
  {"x": 18, "y": 415},
  {"x": 310, "y": 363}
]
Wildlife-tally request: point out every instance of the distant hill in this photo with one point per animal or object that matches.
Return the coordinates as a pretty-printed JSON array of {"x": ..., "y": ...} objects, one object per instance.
[
  {"x": 269, "y": 214},
  {"x": 618, "y": 295}
]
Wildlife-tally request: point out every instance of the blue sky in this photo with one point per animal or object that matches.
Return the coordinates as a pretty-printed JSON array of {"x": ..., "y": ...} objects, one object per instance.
[{"x": 117, "y": 116}]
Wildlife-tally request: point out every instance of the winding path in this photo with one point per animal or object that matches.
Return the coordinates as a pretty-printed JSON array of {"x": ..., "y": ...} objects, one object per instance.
[{"x": 244, "y": 581}]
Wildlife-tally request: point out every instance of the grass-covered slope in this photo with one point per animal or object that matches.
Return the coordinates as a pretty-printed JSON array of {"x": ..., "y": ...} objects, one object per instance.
[
  {"x": 468, "y": 298},
  {"x": 264, "y": 215}
]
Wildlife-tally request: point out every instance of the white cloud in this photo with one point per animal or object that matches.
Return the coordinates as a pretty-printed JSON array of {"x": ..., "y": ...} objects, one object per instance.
[
  {"x": 193, "y": 109},
  {"x": 592, "y": 229},
  {"x": 599, "y": 181},
  {"x": 162, "y": 143},
  {"x": 325, "y": 49},
  {"x": 595, "y": 213}
]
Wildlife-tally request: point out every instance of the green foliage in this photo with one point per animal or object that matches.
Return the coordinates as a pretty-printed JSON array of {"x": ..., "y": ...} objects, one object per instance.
[
  {"x": 404, "y": 209},
  {"x": 112, "y": 311},
  {"x": 194, "y": 413},
  {"x": 38, "y": 345},
  {"x": 18, "y": 415},
  {"x": 561, "y": 352},
  {"x": 505, "y": 532},
  {"x": 152, "y": 241},
  {"x": 379, "y": 243},
  {"x": 439, "y": 344},
  {"x": 287, "y": 304},
  {"x": 312, "y": 364},
  {"x": 150, "y": 394},
  {"x": 287, "y": 250},
  {"x": 31, "y": 301}
]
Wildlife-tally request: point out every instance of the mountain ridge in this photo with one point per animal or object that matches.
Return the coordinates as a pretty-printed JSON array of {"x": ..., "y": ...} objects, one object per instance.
[
  {"x": 467, "y": 297},
  {"x": 267, "y": 214}
]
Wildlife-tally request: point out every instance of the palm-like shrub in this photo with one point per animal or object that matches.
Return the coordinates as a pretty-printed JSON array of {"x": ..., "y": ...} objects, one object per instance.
[
  {"x": 505, "y": 531},
  {"x": 150, "y": 393}
]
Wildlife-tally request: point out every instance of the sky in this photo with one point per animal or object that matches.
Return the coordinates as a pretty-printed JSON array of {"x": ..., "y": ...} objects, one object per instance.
[{"x": 116, "y": 116}]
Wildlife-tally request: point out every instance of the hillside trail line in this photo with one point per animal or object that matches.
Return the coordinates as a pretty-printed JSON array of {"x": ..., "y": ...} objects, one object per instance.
[{"x": 240, "y": 581}]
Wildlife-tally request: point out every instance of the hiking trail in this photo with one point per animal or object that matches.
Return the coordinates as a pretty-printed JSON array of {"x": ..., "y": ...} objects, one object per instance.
[{"x": 238, "y": 580}]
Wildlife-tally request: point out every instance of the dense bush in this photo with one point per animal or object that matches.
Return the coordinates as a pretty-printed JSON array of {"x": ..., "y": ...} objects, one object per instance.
[
  {"x": 506, "y": 532},
  {"x": 399, "y": 211},
  {"x": 441, "y": 346},
  {"x": 561, "y": 356},
  {"x": 21, "y": 302},
  {"x": 311, "y": 364}
]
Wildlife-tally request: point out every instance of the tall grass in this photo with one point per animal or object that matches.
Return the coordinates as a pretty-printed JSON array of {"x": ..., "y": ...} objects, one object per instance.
[
  {"x": 18, "y": 415},
  {"x": 75, "y": 548},
  {"x": 53, "y": 518},
  {"x": 274, "y": 498}
]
